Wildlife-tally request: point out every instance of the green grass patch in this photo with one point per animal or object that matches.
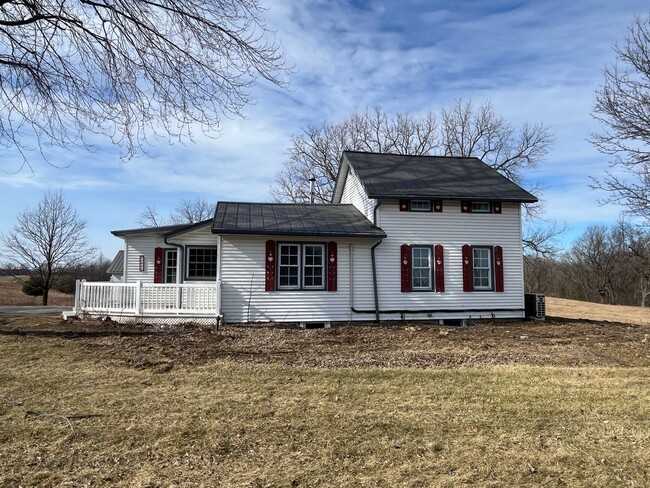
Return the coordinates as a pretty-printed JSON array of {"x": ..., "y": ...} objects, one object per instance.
[{"x": 233, "y": 424}]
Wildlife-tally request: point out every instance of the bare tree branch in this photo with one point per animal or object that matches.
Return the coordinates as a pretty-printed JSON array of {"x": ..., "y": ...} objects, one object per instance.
[
  {"x": 187, "y": 212},
  {"x": 127, "y": 70},
  {"x": 623, "y": 107}
]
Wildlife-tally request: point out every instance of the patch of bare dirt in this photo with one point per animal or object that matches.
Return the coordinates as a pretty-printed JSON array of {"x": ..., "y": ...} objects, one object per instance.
[{"x": 559, "y": 342}]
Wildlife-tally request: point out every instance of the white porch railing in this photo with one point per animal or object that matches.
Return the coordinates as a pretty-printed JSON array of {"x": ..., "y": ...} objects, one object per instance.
[{"x": 148, "y": 299}]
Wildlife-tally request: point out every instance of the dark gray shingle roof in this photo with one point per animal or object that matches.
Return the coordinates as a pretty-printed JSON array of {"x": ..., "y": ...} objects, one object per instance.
[
  {"x": 164, "y": 230},
  {"x": 117, "y": 266},
  {"x": 296, "y": 219},
  {"x": 148, "y": 230},
  {"x": 442, "y": 177}
]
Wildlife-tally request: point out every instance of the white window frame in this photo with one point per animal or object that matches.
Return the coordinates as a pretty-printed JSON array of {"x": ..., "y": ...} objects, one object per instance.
[
  {"x": 427, "y": 208},
  {"x": 297, "y": 265},
  {"x": 430, "y": 268},
  {"x": 490, "y": 268},
  {"x": 188, "y": 252},
  {"x": 167, "y": 268},
  {"x": 302, "y": 265},
  {"x": 481, "y": 207}
]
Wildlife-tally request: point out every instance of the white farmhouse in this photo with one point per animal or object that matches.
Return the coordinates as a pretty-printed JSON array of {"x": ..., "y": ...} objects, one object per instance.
[{"x": 405, "y": 237}]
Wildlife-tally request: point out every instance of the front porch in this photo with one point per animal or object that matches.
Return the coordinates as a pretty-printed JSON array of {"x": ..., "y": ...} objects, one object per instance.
[{"x": 149, "y": 302}]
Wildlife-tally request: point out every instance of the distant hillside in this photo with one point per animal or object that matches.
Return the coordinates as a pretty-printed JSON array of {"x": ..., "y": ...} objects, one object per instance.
[
  {"x": 11, "y": 294},
  {"x": 574, "y": 309}
]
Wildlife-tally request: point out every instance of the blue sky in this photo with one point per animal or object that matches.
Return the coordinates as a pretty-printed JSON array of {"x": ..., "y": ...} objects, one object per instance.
[{"x": 534, "y": 61}]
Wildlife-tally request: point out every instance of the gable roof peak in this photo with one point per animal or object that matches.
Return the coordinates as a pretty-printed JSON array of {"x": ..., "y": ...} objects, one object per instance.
[{"x": 387, "y": 175}]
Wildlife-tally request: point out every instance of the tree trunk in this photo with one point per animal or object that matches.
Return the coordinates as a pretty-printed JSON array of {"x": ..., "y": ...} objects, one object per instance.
[{"x": 46, "y": 292}]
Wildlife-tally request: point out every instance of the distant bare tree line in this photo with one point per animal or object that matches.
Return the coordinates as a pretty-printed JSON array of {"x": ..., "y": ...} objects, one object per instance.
[{"x": 606, "y": 264}]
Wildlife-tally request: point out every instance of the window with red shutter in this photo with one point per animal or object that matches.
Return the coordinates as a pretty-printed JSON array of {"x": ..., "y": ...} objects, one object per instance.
[
  {"x": 439, "y": 267},
  {"x": 406, "y": 268},
  {"x": 498, "y": 269},
  {"x": 331, "y": 265},
  {"x": 158, "y": 265},
  {"x": 270, "y": 265},
  {"x": 468, "y": 274}
]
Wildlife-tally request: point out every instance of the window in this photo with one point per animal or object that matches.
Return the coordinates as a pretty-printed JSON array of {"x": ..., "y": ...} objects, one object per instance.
[
  {"x": 421, "y": 268},
  {"x": 289, "y": 266},
  {"x": 481, "y": 207},
  {"x": 313, "y": 276},
  {"x": 482, "y": 266},
  {"x": 301, "y": 266},
  {"x": 420, "y": 205},
  {"x": 201, "y": 263},
  {"x": 171, "y": 266}
]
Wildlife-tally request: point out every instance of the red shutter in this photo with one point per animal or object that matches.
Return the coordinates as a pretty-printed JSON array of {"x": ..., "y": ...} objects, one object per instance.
[
  {"x": 158, "y": 265},
  {"x": 406, "y": 268},
  {"x": 440, "y": 267},
  {"x": 466, "y": 207},
  {"x": 496, "y": 207},
  {"x": 437, "y": 205},
  {"x": 498, "y": 268},
  {"x": 271, "y": 263},
  {"x": 468, "y": 274},
  {"x": 403, "y": 205},
  {"x": 331, "y": 266}
]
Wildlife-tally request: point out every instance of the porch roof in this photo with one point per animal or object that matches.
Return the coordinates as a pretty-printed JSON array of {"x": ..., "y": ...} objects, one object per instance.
[{"x": 293, "y": 219}]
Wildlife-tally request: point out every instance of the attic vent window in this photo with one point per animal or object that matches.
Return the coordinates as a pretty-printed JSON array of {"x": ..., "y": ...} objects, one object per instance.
[
  {"x": 420, "y": 205},
  {"x": 481, "y": 207}
]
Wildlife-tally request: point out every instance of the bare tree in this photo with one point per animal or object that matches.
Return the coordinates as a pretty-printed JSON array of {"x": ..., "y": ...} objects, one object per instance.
[
  {"x": 463, "y": 131},
  {"x": 128, "y": 70},
  {"x": 48, "y": 241},
  {"x": 598, "y": 255},
  {"x": 623, "y": 106},
  {"x": 187, "y": 212},
  {"x": 192, "y": 211},
  {"x": 316, "y": 152}
]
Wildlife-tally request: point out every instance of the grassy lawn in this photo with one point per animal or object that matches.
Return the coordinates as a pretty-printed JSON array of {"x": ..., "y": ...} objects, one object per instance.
[{"x": 232, "y": 423}]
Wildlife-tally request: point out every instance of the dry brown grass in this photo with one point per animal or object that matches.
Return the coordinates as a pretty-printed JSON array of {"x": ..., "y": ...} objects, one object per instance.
[
  {"x": 574, "y": 309},
  {"x": 227, "y": 421},
  {"x": 11, "y": 294}
]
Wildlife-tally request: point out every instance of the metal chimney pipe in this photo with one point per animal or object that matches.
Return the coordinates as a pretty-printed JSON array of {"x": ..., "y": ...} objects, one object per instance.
[{"x": 312, "y": 182}]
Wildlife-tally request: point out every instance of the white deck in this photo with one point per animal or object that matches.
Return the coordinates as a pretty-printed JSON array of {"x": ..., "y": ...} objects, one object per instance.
[{"x": 148, "y": 299}]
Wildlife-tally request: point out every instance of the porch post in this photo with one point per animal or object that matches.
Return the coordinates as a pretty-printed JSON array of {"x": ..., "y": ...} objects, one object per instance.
[
  {"x": 138, "y": 297},
  {"x": 77, "y": 291}
]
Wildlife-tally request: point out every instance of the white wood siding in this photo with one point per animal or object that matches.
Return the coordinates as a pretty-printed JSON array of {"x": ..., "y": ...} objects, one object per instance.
[
  {"x": 202, "y": 237},
  {"x": 243, "y": 281},
  {"x": 145, "y": 244},
  {"x": 354, "y": 194},
  {"x": 141, "y": 245},
  {"x": 452, "y": 229}
]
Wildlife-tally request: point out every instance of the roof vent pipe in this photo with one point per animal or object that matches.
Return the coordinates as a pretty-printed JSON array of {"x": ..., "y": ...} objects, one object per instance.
[{"x": 312, "y": 182}]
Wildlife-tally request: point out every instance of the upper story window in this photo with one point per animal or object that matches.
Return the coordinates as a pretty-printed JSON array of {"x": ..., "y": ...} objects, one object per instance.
[
  {"x": 481, "y": 207},
  {"x": 482, "y": 268},
  {"x": 301, "y": 266},
  {"x": 420, "y": 205},
  {"x": 201, "y": 263}
]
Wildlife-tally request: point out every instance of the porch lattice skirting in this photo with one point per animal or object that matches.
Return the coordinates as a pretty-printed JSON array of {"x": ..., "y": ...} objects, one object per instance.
[{"x": 149, "y": 302}]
